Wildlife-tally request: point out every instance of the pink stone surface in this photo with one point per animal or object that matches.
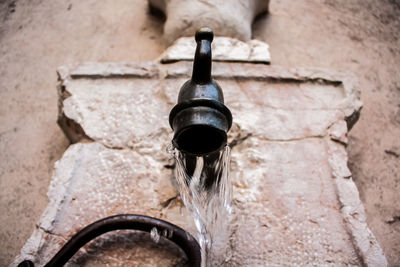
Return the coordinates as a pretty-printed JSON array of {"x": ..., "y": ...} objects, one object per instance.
[{"x": 294, "y": 201}]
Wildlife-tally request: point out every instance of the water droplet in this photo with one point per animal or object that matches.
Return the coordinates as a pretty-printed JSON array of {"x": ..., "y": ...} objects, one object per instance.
[
  {"x": 155, "y": 235},
  {"x": 170, "y": 148}
]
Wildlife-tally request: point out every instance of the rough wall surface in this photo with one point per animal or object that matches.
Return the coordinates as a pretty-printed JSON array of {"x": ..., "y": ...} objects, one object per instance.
[{"x": 294, "y": 198}]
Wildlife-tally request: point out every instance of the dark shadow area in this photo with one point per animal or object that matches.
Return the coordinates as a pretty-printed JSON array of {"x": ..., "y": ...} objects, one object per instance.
[{"x": 130, "y": 248}]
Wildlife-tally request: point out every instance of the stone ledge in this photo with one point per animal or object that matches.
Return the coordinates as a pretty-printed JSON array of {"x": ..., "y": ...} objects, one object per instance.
[{"x": 223, "y": 49}]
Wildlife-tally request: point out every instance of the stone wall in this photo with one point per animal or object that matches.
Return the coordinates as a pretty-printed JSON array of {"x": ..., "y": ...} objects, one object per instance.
[{"x": 294, "y": 201}]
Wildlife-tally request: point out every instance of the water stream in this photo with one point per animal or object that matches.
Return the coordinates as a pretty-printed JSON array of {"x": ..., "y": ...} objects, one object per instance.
[{"x": 206, "y": 191}]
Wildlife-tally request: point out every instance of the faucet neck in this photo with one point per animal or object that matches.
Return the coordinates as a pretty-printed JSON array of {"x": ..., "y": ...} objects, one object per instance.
[{"x": 202, "y": 59}]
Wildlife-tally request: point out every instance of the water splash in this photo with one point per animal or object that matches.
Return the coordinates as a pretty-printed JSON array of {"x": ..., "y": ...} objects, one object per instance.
[
  {"x": 155, "y": 235},
  {"x": 206, "y": 190}
]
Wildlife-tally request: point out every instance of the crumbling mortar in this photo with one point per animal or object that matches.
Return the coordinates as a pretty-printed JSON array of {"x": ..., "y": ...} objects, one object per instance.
[
  {"x": 336, "y": 140},
  {"x": 49, "y": 232}
]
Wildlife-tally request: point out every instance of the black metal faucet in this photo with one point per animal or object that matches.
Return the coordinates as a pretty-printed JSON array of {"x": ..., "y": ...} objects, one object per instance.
[{"x": 200, "y": 119}]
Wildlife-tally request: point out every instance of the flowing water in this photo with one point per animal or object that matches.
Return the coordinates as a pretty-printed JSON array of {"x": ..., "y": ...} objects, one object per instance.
[{"x": 206, "y": 190}]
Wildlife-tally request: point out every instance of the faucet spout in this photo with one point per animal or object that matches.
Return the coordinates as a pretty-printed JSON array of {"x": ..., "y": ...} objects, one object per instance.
[{"x": 200, "y": 119}]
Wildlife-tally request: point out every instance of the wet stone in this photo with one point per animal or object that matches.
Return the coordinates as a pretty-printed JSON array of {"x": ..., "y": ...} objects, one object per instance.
[{"x": 294, "y": 201}]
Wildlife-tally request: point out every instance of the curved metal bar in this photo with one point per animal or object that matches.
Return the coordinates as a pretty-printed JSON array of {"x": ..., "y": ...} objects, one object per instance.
[{"x": 122, "y": 222}]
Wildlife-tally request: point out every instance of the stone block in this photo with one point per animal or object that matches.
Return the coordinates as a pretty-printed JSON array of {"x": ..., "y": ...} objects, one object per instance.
[{"x": 294, "y": 201}]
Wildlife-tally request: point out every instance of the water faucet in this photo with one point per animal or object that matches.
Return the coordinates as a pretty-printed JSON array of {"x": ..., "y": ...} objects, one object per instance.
[{"x": 200, "y": 119}]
